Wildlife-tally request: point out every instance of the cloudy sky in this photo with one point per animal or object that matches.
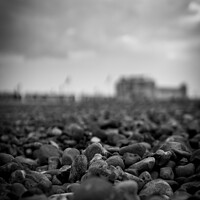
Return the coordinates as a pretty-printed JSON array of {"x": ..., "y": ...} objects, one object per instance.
[{"x": 84, "y": 46}]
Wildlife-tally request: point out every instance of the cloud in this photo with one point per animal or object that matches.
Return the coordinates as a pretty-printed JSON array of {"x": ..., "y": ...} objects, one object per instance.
[{"x": 49, "y": 28}]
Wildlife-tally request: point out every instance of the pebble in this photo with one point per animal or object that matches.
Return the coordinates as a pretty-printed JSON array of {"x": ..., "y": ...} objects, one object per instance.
[
  {"x": 146, "y": 164},
  {"x": 177, "y": 148},
  {"x": 140, "y": 182},
  {"x": 166, "y": 173},
  {"x": 68, "y": 155},
  {"x": 18, "y": 189},
  {"x": 185, "y": 170},
  {"x": 130, "y": 158},
  {"x": 26, "y": 162},
  {"x": 75, "y": 131},
  {"x": 133, "y": 148},
  {"x": 44, "y": 152},
  {"x": 145, "y": 176},
  {"x": 55, "y": 131},
  {"x": 95, "y": 140},
  {"x": 93, "y": 149},
  {"x": 39, "y": 180},
  {"x": 18, "y": 176},
  {"x": 73, "y": 187},
  {"x": 53, "y": 162},
  {"x": 95, "y": 188},
  {"x": 127, "y": 190},
  {"x": 148, "y": 157},
  {"x": 116, "y": 161},
  {"x": 157, "y": 186},
  {"x": 154, "y": 174},
  {"x": 162, "y": 157},
  {"x": 79, "y": 167}
]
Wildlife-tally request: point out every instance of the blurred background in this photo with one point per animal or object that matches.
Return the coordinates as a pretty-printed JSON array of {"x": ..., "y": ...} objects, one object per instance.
[{"x": 76, "y": 47}]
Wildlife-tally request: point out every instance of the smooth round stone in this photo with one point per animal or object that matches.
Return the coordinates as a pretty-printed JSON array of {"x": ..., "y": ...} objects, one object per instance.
[
  {"x": 166, "y": 173},
  {"x": 95, "y": 140},
  {"x": 185, "y": 170},
  {"x": 93, "y": 149},
  {"x": 75, "y": 131},
  {"x": 157, "y": 186},
  {"x": 133, "y": 148},
  {"x": 68, "y": 155},
  {"x": 117, "y": 139},
  {"x": 18, "y": 189},
  {"x": 45, "y": 152},
  {"x": 146, "y": 164},
  {"x": 145, "y": 176},
  {"x": 5, "y": 158},
  {"x": 127, "y": 189},
  {"x": 79, "y": 167},
  {"x": 130, "y": 158},
  {"x": 94, "y": 188},
  {"x": 112, "y": 149},
  {"x": 55, "y": 131},
  {"x": 136, "y": 136},
  {"x": 115, "y": 161}
]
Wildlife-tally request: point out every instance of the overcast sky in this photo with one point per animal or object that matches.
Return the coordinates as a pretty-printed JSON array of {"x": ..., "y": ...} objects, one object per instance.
[{"x": 86, "y": 45}]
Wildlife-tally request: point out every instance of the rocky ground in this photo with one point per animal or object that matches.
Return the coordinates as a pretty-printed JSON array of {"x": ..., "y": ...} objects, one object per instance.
[{"x": 100, "y": 150}]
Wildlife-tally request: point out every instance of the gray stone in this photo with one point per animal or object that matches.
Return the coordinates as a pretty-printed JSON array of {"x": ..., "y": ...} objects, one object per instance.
[
  {"x": 46, "y": 151},
  {"x": 127, "y": 189},
  {"x": 79, "y": 167},
  {"x": 93, "y": 149},
  {"x": 145, "y": 176},
  {"x": 133, "y": 148},
  {"x": 95, "y": 188},
  {"x": 146, "y": 164},
  {"x": 115, "y": 161},
  {"x": 130, "y": 158},
  {"x": 166, "y": 173},
  {"x": 68, "y": 155},
  {"x": 157, "y": 186},
  {"x": 185, "y": 170}
]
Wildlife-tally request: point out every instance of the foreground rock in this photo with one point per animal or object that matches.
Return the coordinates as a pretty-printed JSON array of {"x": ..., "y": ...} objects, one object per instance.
[{"x": 157, "y": 186}]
